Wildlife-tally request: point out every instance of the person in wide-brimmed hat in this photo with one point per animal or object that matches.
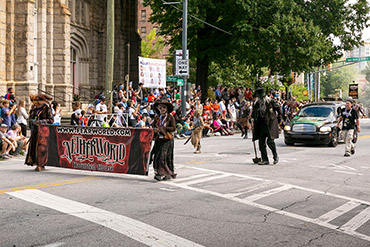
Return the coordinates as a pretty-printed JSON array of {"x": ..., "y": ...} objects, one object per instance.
[
  {"x": 163, "y": 102},
  {"x": 40, "y": 113},
  {"x": 162, "y": 154}
]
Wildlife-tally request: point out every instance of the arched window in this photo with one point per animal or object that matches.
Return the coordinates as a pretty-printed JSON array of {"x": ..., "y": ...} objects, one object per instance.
[{"x": 79, "y": 61}]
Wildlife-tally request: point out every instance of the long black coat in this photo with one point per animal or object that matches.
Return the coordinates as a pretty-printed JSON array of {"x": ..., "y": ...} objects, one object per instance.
[{"x": 272, "y": 117}]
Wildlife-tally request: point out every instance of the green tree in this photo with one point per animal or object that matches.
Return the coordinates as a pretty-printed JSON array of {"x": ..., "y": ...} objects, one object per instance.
[
  {"x": 206, "y": 44},
  {"x": 152, "y": 45},
  {"x": 337, "y": 79},
  {"x": 296, "y": 35},
  {"x": 281, "y": 35}
]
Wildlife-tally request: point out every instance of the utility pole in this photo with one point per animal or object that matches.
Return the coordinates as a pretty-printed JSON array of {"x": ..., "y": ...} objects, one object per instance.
[
  {"x": 128, "y": 71},
  {"x": 184, "y": 53},
  {"x": 109, "y": 53}
]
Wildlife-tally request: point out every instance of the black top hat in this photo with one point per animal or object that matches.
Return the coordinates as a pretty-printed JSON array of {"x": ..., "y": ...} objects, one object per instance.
[
  {"x": 163, "y": 102},
  {"x": 259, "y": 91}
]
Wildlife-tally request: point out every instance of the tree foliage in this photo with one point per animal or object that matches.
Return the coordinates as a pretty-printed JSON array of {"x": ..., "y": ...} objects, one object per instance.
[
  {"x": 152, "y": 45},
  {"x": 297, "y": 35},
  {"x": 337, "y": 79},
  {"x": 281, "y": 35}
]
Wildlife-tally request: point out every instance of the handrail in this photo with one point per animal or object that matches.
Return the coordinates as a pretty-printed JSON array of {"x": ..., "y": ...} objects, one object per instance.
[{"x": 123, "y": 116}]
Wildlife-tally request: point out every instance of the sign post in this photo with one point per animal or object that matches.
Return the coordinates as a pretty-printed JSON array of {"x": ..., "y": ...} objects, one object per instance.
[{"x": 182, "y": 67}]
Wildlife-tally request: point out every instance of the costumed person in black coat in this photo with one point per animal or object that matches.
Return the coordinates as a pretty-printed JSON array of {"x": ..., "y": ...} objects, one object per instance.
[
  {"x": 40, "y": 113},
  {"x": 267, "y": 116},
  {"x": 162, "y": 154}
]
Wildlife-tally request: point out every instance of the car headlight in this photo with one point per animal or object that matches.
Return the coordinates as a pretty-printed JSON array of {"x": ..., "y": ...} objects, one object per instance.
[
  {"x": 325, "y": 129},
  {"x": 287, "y": 128}
]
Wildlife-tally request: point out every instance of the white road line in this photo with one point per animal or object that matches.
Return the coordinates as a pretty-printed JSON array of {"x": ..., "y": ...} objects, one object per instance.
[
  {"x": 167, "y": 189},
  {"x": 207, "y": 179},
  {"x": 178, "y": 180},
  {"x": 343, "y": 167},
  {"x": 250, "y": 189},
  {"x": 267, "y": 193},
  {"x": 279, "y": 183},
  {"x": 357, "y": 221},
  {"x": 351, "y": 173},
  {"x": 274, "y": 210},
  {"x": 331, "y": 215},
  {"x": 57, "y": 244},
  {"x": 134, "y": 229}
]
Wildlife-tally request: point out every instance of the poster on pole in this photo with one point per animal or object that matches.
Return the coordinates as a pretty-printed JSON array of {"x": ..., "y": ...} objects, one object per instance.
[
  {"x": 353, "y": 91},
  {"x": 152, "y": 72}
]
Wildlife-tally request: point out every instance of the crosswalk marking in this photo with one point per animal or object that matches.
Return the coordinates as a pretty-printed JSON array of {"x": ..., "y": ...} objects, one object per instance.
[
  {"x": 250, "y": 189},
  {"x": 271, "y": 209},
  {"x": 331, "y": 215},
  {"x": 178, "y": 180},
  {"x": 349, "y": 228},
  {"x": 134, "y": 229},
  {"x": 357, "y": 221},
  {"x": 207, "y": 179},
  {"x": 267, "y": 193}
]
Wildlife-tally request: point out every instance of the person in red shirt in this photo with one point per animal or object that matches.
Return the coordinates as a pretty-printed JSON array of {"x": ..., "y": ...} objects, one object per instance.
[
  {"x": 151, "y": 97},
  {"x": 248, "y": 94}
]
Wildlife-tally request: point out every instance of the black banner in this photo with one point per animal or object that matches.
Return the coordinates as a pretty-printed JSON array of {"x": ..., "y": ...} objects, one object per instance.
[{"x": 117, "y": 150}]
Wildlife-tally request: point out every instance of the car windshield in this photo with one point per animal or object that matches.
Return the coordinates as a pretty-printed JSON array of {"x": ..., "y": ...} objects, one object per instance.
[{"x": 316, "y": 111}]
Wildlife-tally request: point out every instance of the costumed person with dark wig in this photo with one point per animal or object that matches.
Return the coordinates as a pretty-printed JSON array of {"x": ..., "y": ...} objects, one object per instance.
[
  {"x": 196, "y": 134},
  {"x": 40, "y": 113},
  {"x": 162, "y": 154}
]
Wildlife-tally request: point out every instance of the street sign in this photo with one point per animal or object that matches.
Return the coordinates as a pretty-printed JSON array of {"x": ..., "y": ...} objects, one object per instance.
[
  {"x": 182, "y": 67},
  {"x": 173, "y": 78},
  {"x": 179, "y": 57},
  {"x": 357, "y": 59},
  {"x": 180, "y": 82}
]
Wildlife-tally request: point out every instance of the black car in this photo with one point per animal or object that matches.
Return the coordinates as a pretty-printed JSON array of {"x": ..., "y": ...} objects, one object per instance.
[{"x": 315, "y": 124}]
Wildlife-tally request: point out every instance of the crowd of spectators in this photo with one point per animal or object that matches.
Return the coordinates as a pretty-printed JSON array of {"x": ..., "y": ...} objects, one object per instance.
[
  {"x": 224, "y": 112},
  {"x": 13, "y": 126}
]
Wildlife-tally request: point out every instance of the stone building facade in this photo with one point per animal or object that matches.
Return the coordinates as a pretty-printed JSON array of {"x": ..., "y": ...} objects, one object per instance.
[{"x": 58, "y": 46}]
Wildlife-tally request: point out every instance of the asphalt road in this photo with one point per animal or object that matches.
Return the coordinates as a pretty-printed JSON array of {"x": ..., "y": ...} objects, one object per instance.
[{"x": 313, "y": 197}]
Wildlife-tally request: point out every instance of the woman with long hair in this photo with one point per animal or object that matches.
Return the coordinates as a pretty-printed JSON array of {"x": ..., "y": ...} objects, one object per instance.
[
  {"x": 22, "y": 117},
  {"x": 162, "y": 154}
]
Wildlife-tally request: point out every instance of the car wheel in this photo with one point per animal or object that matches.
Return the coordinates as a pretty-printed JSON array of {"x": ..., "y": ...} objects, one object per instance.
[
  {"x": 334, "y": 139},
  {"x": 289, "y": 143}
]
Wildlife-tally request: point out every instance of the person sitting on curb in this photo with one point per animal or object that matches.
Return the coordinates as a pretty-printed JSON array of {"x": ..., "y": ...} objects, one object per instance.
[{"x": 6, "y": 144}]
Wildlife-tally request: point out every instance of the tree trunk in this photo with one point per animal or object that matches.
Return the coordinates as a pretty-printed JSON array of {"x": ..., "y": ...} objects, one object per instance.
[{"x": 202, "y": 76}]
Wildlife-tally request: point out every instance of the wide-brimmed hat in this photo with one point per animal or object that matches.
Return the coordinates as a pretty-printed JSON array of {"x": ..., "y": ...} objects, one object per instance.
[
  {"x": 40, "y": 97},
  {"x": 163, "y": 102}
]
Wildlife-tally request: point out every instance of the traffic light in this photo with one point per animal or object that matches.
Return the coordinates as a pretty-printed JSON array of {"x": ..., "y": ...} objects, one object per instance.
[
  {"x": 330, "y": 66},
  {"x": 293, "y": 77}
]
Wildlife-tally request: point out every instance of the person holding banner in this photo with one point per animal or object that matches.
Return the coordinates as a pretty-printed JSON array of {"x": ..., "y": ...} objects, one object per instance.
[
  {"x": 40, "y": 113},
  {"x": 162, "y": 154}
]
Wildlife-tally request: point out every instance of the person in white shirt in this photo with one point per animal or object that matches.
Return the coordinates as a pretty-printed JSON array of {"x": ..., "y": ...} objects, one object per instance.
[
  {"x": 232, "y": 112},
  {"x": 22, "y": 117},
  {"x": 55, "y": 109},
  {"x": 222, "y": 106},
  {"x": 101, "y": 110}
]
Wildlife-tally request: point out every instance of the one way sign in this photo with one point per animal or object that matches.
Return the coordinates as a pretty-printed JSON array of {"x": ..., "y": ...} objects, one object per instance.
[{"x": 182, "y": 67}]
